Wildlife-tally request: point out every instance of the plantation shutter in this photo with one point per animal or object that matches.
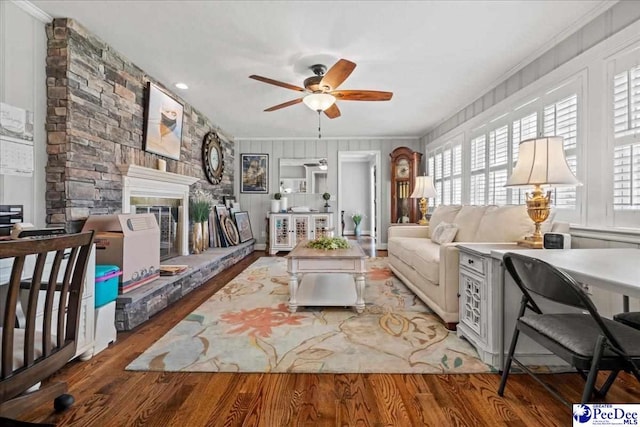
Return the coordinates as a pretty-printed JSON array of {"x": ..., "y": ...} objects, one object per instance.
[
  {"x": 456, "y": 175},
  {"x": 498, "y": 162},
  {"x": 478, "y": 170},
  {"x": 438, "y": 178},
  {"x": 626, "y": 130},
  {"x": 561, "y": 119},
  {"x": 523, "y": 128}
]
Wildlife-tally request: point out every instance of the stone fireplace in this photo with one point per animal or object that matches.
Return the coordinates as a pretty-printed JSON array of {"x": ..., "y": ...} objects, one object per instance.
[{"x": 164, "y": 194}]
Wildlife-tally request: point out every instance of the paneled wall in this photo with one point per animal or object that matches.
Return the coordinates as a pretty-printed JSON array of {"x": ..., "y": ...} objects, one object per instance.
[
  {"x": 603, "y": 26},
  {"x": 23, "y": 46},
  {"x": 259, "y": 204}
]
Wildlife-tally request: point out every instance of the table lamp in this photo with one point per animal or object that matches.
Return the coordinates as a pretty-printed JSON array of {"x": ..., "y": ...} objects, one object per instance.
[
  {"x": 541, "y": 161},
  {"x": 424, "y": 189}
]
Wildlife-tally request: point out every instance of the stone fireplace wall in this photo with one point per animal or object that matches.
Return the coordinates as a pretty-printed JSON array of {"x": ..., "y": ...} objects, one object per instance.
[{"x": 95, "y": 115}]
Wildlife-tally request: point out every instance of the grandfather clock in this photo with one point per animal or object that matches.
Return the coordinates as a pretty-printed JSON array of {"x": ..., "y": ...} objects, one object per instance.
[{"x": 404, "y": 169}]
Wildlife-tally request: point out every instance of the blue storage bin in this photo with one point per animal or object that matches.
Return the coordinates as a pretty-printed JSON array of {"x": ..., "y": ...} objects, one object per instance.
[{"x": 106, "y": 284}]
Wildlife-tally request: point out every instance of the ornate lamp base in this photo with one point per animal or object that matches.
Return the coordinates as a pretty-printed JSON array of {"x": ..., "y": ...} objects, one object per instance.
[
  {"x": 424, "y": 206},
  {"x": 538, "y": 208}
]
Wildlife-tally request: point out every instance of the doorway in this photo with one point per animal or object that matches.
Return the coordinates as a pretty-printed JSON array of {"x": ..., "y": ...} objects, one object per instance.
[{"x": 359, "y": 191}]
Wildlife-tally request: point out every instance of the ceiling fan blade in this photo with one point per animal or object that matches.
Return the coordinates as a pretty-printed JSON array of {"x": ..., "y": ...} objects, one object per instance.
[
  {"x": 276, "y": 83},
  {"x": 362, "y": 95},
  {"x": 332, "y": 112},
  {"x": 284, "y": 104},
  {"x": 337, "y": 74}
]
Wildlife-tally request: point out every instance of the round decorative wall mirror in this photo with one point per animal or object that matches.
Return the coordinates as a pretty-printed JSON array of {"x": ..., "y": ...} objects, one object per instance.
[{"x": 212, "y": 157}]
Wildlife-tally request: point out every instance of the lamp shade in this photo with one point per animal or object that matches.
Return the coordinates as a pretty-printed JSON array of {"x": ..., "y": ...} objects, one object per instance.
[
  {"x": 319, "y": 101},
  {"x": 541, "y": 161},
  {"x": 424, "y": 188}
]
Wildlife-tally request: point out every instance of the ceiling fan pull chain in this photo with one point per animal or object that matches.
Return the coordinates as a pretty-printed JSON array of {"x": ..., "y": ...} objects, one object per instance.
[{"x": 319, "y": 133}]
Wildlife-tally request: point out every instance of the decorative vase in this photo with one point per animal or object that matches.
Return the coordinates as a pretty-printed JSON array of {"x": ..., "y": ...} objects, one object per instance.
[
  {"x": 196, "y": 235},
  {"x": 205, "y": 235},
  {"x": 275, "y": 205},
  {"x": 283, "y": 204},
  {"x": 356, "y": 230}
]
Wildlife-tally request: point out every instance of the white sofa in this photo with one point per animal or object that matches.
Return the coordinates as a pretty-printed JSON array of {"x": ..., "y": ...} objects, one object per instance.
[{"x": 430, "y": 270}]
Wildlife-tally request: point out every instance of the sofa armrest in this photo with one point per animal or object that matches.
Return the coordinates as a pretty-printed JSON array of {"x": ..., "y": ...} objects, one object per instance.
[{"x": 408, "y": 231}]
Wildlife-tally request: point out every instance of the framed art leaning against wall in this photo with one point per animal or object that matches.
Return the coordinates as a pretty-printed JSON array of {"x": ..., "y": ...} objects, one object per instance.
[
  {"x": 163, "y": 123},
  {"x": 244, "y": 226},
  {"x": 255, "y": 173}
]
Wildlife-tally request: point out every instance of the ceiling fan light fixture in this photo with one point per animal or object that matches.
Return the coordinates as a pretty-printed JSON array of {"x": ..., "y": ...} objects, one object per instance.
[{"x": 319, "y": 101}]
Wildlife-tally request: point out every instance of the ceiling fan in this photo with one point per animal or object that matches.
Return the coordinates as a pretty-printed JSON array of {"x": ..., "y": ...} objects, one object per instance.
[{"x": 322, "y": 89}]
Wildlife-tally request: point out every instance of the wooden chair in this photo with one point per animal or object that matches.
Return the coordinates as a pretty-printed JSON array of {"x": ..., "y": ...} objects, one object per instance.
[
  {"x": 33, "y": 351},
  {"x": 584, "y": 339}
]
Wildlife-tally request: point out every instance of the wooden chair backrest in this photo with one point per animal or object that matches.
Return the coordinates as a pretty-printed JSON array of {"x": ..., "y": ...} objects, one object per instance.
[{"x": 50, "y": 343}]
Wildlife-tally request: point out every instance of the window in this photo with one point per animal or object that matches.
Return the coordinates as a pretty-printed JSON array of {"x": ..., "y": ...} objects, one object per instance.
[
  {"x": 445, "y": 165},
  {"x": 478, "y": 170},
  {"x": 561, "y": 119},
  {"x": 626, "y": 131},
  {"x": 498, "y": 163},
  {"x": 522, "y": 129}
]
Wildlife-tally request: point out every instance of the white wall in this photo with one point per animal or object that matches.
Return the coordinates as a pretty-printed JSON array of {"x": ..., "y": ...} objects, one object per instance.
[
  {"x": 355, "y": 194},
  {"x": 23, "y": 84},
  {"x": 258, "y": 204}
]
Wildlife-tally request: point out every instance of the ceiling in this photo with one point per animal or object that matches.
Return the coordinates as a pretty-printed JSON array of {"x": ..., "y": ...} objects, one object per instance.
[{"x": 435, "y": 56}]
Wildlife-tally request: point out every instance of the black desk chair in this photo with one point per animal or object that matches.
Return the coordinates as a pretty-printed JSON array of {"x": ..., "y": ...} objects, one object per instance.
[
  {"x": 584, "y": 340},
  {"x": 631, "y": 318},
  {"x": 34, "y": 351}
]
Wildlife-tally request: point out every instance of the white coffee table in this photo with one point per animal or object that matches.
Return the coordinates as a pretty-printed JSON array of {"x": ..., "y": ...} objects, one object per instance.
[{"x": 327, "y": 278}]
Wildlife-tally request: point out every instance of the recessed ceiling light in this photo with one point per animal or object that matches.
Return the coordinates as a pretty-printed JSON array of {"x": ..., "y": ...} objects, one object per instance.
[{"x": 182, "y": 85}]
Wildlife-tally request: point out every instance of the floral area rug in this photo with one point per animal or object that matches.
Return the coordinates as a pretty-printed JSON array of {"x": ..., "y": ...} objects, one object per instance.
[{"x": 247, "y": 327}]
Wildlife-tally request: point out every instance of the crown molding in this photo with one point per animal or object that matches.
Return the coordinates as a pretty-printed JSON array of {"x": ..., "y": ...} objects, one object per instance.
[
  {"x": 33, "y": 10},
  {"x": 333, "y": 138}
]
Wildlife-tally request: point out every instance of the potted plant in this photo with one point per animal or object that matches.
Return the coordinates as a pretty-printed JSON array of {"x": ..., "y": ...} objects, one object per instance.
[
  {"x": 357, "y": 219},
  {"x": 200, "y": 204},
  {"x": 326, "y": 197}
]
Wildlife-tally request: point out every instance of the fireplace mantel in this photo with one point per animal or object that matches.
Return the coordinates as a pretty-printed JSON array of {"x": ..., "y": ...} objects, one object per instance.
[{"x": 138, "y": 181}]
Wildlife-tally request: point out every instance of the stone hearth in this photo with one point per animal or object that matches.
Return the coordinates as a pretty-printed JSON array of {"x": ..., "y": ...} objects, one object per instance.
[{"x": 137, "y": 306}]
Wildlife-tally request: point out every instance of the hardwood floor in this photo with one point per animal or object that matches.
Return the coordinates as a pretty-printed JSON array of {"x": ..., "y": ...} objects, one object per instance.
[{"x": 107, "y": 395}]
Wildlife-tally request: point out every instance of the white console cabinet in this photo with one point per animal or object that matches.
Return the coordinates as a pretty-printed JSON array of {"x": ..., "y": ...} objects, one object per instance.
[{"x": 287, "y": 230}]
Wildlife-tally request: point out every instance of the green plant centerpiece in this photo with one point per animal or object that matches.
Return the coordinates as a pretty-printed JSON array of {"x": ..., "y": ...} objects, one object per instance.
[
  {"x": 277, "y": 196},
  {"x": 328, "y": 243}
]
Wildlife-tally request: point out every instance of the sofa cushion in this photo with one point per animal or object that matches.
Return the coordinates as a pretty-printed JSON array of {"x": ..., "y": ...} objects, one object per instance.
[
  {"x": 425, "y": 260},
  {"x": 422, "y": 255},
  {"x": 444, "y": 233},
  {"x": 468, "y": 219},
  {"x": 504, "y": 224},
  {"x": 442, "y": 213}
]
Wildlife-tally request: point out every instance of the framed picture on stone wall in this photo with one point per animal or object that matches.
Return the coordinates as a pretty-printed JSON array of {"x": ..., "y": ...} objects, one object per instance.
[{"x": 162, "y": 124}]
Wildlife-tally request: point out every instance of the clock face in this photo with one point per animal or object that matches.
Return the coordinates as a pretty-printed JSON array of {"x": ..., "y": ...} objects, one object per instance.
[
  {"x": 212, "y": 157},
  {"x": 402, "y": 168}
]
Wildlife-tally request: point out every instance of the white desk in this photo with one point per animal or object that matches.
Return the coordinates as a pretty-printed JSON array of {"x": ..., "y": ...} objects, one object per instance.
[{"x": 615, "y": 270}]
